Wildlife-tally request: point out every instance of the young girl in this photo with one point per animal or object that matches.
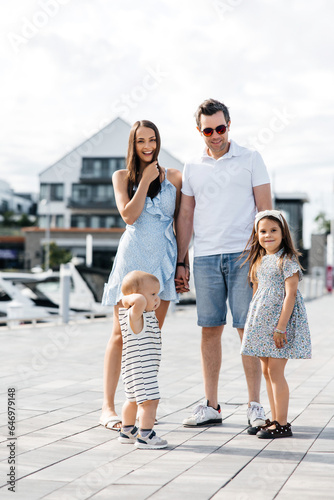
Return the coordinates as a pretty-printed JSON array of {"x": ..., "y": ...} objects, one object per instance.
[{"x": 276, "y": 328}]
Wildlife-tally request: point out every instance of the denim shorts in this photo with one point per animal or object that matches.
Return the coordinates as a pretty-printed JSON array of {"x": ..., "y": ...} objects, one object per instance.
[{"x": 218, "y": 278}]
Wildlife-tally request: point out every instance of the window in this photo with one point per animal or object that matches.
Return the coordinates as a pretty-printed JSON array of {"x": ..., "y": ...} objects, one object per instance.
[
  {"x": 52, "y": 192},
  {"x": 57, "y": 192},
  {"x": 80, "y": 192},
  {"x": 59, "y": 221},
  {"x": 54, "y": 221},
  {"x": 102, "y": 192},
  {"x": 79, "y": 221},
  {"x": 42, "y": 221},
  {"x": 4, "y": 206},
  {"x": 87, "y": 167},
  {"x": 97, "y": 221},
  {"x": 105, "y": 171},
  {"x": 97, "y": 168},
  {"x": 43, "y": 192},
  {"x": 101, "y": 167},
  {"x": 116, "y": 164},
  {"x": 96, "y": 193},
  {"x": 111, "y": 221},
  {"x": 119, "y": 221},
  {"x": 103, "y": 221}
]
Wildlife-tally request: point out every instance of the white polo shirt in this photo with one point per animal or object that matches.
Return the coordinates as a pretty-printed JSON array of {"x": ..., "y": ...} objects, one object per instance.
[{"x": 224, "y": 200}]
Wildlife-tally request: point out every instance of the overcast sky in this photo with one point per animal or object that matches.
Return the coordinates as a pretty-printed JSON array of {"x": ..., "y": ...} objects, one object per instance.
[{"x": 71, "y": 66}]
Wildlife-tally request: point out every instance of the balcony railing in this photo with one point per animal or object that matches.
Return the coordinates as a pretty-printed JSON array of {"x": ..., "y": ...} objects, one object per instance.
[
  {"x": 94, "y": 178},
  {"x": 100, "y": 169},
  {"x": 91, "y": 203}
]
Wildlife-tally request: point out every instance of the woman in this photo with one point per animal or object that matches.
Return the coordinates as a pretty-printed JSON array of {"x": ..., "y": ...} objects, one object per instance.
[{"x": 147, "y": 198}]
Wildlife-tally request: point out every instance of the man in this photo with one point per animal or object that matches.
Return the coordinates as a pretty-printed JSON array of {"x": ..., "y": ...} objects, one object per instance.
[{"x": 221, "y": 193}]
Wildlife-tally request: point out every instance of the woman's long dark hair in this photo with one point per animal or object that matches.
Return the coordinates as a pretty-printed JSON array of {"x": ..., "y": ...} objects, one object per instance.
[{"x": 132, "y": 160}]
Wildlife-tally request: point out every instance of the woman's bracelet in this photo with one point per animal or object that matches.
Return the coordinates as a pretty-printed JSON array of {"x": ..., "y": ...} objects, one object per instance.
[
  {"x": 182, "y": 264},
  {"x": 282, "y": 332}
]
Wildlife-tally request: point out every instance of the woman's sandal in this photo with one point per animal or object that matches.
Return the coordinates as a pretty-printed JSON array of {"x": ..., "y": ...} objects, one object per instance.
[
  {"x": 254, "y": 430},
  {"x": 280, "y": 431},
  {"x": 112, "y": 423}
]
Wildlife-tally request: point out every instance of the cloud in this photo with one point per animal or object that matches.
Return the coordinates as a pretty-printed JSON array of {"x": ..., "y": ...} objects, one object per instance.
[{"x": 256, "y": 56}]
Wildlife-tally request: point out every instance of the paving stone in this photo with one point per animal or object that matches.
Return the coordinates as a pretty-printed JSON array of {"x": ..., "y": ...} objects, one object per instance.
[
  {"x": 128, "y": 492},
  {"x": 313, "y": 478},
  {"x": 62, "y": 452}
]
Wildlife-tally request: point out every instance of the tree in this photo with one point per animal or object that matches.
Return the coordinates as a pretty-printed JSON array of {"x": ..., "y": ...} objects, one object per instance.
[
  {"x": 58, "y": 256},
  {"x": 24, "y": 221},
  {"x": 323, "y": 222},
  {"x": 8, "y": 219}
]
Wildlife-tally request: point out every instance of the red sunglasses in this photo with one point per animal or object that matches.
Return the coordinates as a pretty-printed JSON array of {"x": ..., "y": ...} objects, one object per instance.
[{"x": 221, "y": 129}]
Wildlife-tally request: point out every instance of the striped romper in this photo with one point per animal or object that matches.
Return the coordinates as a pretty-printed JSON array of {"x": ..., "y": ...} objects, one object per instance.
[{"x": 141, "y": 357}]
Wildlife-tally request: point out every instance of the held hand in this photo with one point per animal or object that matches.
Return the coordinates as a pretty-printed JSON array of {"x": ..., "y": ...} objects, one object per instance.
[
  {"x": 181, "y": 287},
  {"x": 150, "y": 172},
  {"x": 181, "y": 280},
  {"x": 280, "y": 339}
]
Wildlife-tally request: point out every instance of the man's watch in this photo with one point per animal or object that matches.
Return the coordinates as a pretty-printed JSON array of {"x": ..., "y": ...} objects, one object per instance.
[{"x": 180, "y": 264}]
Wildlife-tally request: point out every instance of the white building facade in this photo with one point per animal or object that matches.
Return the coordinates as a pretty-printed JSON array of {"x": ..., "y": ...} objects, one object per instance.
[
  {"x": 77, "y": 198},
  {"x": 77, "y": 190}
]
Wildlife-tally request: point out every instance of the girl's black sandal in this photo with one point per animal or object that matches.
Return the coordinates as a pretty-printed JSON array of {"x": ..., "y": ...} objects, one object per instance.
[
  {"x": 280, "y": 431},
  {"x": 254, "y": 430}
]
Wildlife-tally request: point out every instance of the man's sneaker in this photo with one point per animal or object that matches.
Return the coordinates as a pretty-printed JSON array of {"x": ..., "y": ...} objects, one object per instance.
[
  {"x": 203, "y": 415},
  {"x": 151, "y": 442},
  {"x": 128, "y": 437},
  {"x": 255, "y": 415}
]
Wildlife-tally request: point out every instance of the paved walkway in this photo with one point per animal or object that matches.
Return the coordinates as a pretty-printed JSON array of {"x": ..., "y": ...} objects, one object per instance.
[{"x": 61, "y": 453}]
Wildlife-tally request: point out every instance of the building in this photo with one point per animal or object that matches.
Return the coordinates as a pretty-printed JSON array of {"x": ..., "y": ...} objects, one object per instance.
[
  {"x": 17, "y": 203},
  {"x": 77, "y": 190},
  {"x": 291, "y": 205},
  {"x": 76, "y": 195},
  {"x": 13, "y": 207},
  {"x": 105, "y": 243}
]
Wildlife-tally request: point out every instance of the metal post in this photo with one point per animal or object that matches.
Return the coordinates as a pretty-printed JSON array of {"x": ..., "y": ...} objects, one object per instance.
[
  {"x": 330, "y": 251},
  {"x": 47, "y": 231},
  {"x": 65, "y": 284},
  {"x": 89, "y": 250},
  {"x": 273, "y": 189}
]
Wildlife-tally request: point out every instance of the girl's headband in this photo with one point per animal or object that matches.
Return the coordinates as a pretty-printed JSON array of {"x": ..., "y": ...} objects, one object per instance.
[{"x": 265, "y": 213}]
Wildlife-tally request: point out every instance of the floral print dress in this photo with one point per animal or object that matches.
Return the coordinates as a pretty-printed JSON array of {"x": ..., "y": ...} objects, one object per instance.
[{"x": 265, "y": 310}]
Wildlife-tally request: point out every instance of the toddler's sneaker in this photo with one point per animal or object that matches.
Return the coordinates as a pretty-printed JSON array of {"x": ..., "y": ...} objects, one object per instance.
[
  {"x": 203, "y": 415},
  {"x": 128, "y": 437},
  {"x": 255, "y": 415},
  {"x": 150, "y": 442}
]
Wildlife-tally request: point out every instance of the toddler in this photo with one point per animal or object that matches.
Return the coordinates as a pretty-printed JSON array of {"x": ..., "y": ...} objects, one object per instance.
[{"x": 140, "y": 359}]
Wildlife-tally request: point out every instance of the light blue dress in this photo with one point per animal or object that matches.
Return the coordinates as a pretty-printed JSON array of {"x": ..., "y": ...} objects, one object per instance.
[
  {"x": 148, "y": 245},
  {"x": 265, "y": 310}
]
